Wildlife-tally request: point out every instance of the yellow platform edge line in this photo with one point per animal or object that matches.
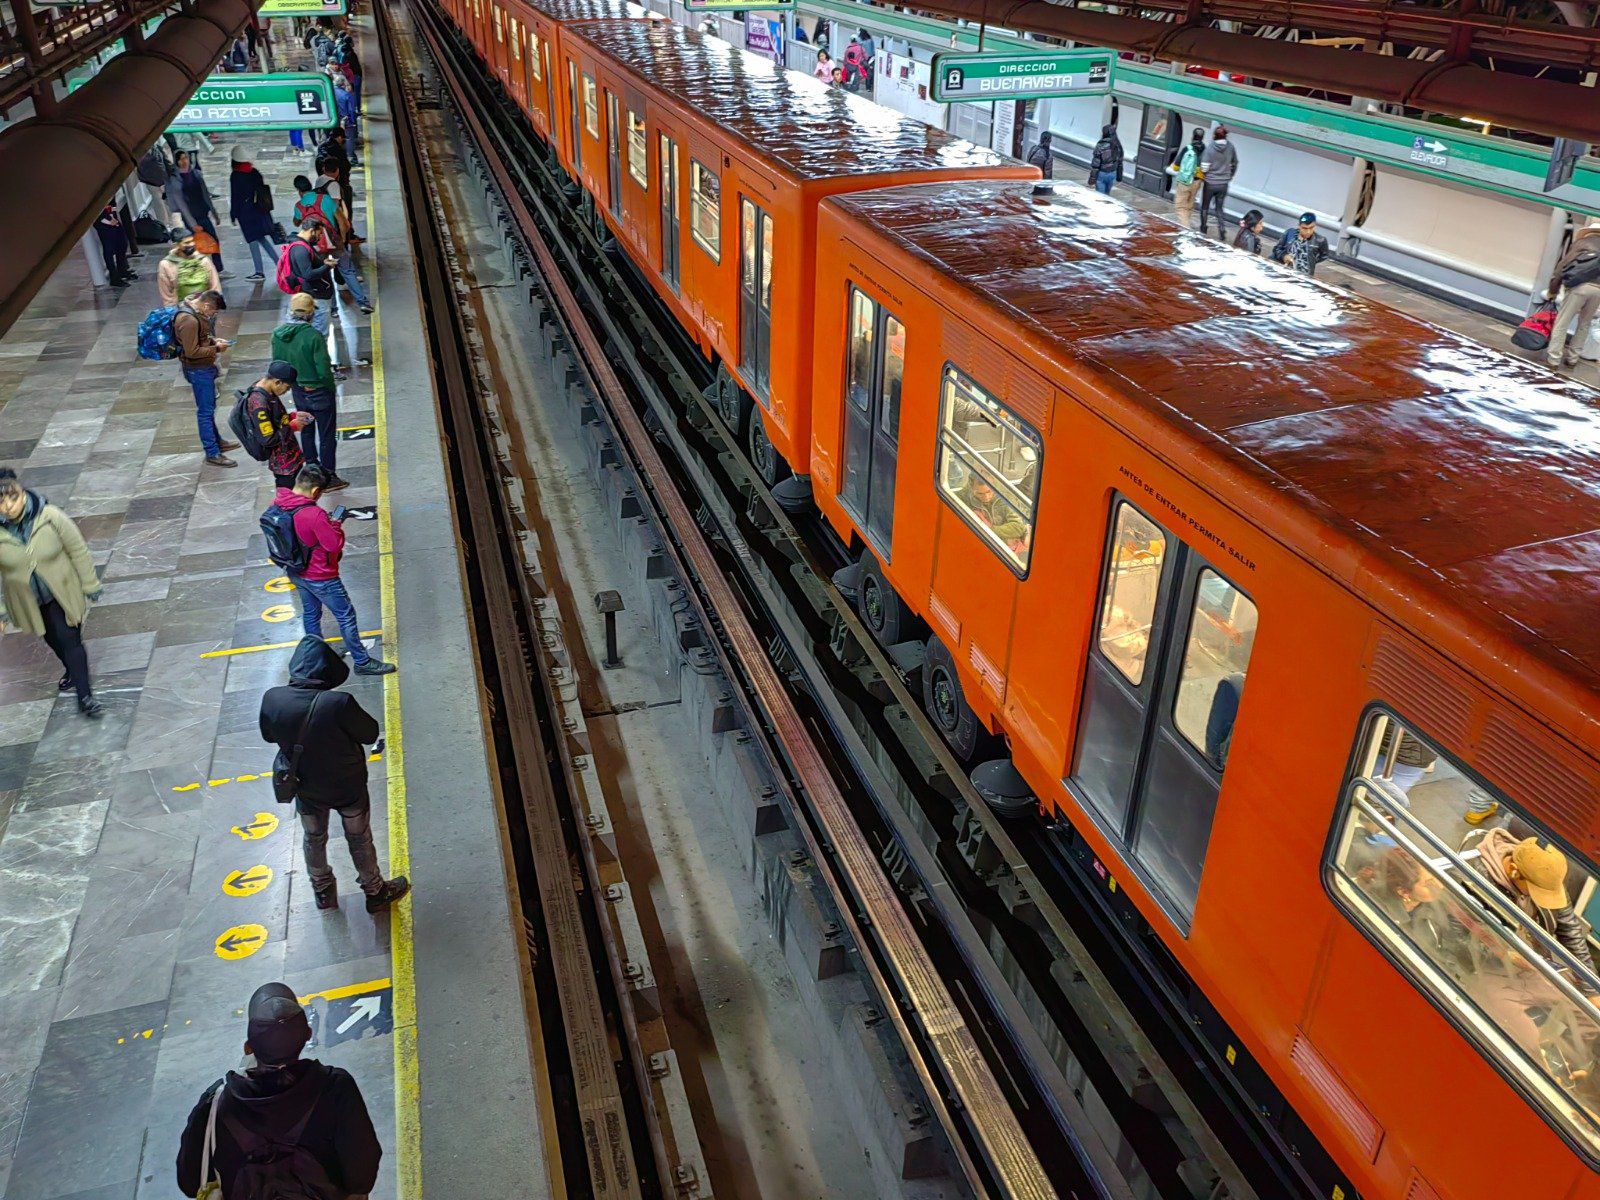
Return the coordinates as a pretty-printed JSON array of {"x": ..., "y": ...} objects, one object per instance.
[{"x": 407, "y": 1076}]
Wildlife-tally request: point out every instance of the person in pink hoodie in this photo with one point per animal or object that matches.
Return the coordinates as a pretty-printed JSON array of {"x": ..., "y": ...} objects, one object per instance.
[{"x": 319, "y": 584}]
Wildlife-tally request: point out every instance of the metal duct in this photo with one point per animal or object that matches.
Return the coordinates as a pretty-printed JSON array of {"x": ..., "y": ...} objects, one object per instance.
[
  {"x": 1457, "y": 89},
  {"x": 93, "y": 141}
]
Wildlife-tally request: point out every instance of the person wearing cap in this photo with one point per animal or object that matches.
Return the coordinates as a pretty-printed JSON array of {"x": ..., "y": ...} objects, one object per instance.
[
  {"x": 298, "y": 343},
  {"x": 275, "y": 425},
  {"x": 251, "y": 211},
  {"x": 283, "y": 1099},
  {"x": 333, "y": 732},
  {"x": 1302, "y": 247},
  {"x": 1218, "y": 166},
  {"x": 1533, "y": 875}
]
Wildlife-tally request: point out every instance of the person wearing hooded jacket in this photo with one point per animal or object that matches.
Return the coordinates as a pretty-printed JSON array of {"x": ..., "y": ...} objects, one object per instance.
[
  {"x": 1043, "y": 157},
  {"x": 278, "y": 1092},
  {"x": 1217, "y": 169},
  {"x": 334, "y": 732},
  {"x": 1106, "y": 163},
  {"x": 190, "y": 198},
  {"x": 47, "y": 581}
]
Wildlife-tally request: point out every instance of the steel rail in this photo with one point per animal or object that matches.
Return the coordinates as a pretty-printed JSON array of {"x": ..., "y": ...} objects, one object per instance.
[
  {"x": 1010, "y": 1159},
  {"x": 604, "y": 1134}
]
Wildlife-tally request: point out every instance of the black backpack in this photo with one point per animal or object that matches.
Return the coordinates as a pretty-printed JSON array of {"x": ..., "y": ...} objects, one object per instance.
[
  {"x": 1585, "y": 268},
  {"x": 284, "y": 546},
  {"x": 276, "y": 1166},
  {"x": 257, "y": 445}
]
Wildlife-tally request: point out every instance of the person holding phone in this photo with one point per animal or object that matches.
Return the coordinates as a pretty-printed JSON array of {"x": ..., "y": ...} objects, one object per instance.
[{"x": 318, "y": 584}]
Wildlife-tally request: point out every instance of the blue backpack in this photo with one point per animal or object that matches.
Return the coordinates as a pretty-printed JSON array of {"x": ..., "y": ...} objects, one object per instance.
[{"x": 157, "y": 340}]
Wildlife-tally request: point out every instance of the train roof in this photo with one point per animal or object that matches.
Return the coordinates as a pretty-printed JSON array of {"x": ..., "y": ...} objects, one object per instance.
[
  {"x": 588, "y": 10},
  {"x": 1466, "y": 468},
  {"x": 809, "y": 128}
]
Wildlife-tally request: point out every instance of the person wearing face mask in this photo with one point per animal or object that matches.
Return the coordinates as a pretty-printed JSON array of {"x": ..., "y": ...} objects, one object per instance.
[
  {"x": 1218, "y": 167},
  {"x": 47, "y": 581},
  {"x": 184, "y": 273}
]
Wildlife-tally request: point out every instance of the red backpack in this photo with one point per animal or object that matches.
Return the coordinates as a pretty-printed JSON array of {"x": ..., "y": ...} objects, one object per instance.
[{"x": 288, "y": 282}]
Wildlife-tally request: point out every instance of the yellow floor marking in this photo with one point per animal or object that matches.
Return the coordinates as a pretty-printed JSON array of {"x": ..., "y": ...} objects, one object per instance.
[
  {"x": 407, "y": 1079},
  {"x": 353, "y": 428},
  {"x": 267, "y": 774},
  {"x": 366, "y": 633},
  {"x": 248, "y": 881},
  {"x": 263, "y": 824},
  {"x": 353, "y": 989},
  {"x": 278, "y": 612},
  {"x": 241, "y": 941},
  {"x": 280, "y": 584}
]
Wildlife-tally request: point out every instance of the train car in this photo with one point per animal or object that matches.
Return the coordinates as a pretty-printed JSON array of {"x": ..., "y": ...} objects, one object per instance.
[
  {"x": 707, "y": 162},
  {"x": 1287, "y": 602}
]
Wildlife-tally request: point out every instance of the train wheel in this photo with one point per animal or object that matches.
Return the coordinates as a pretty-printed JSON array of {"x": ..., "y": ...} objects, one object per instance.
[
  {"x": 879, "y": 605},
  {"x": 764, "y": 455},
  {"x": 945, "y": 704}
]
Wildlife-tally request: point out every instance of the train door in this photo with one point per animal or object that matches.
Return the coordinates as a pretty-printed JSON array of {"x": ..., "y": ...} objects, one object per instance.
[
  {"x": 671, "y": 236},
  {"x": 542, "y": 70},
  {"x": 1165, "y": 676},
  {"x": 575, "y": 102},
  {"x": 613, "y": 155},
  {"x": 874, "y": 370},
  {"x": 755, "y": 296}
]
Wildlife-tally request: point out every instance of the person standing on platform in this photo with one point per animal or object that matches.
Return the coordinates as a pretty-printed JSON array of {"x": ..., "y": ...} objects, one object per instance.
[
  {"x": 824, "y": 68},
  {"x": 1043, "y": 157},
  {"x": 1579, "y": 273},
  {"x": 272, "y": 426},
  {"x": 251, "y": 211},
  {"x": 1186, "y": 178},
  {"x": 47, "y": 581},
  {"x": 350, "y": 63},
  {"x": 198, "y": 351},
  {"x": 1218, "y": 167},
  {"x": 344, "y": 100},
  {"x": 1106, "y": 163},
  {"x": 314, "y": 1112},
  {"x": 189, "y": 197},
  {"x": 298, "y": 343},
  {"x": 113, "y": 235},
  {"x": 1302, "y": 247},
  {"x": 318, "y": 581},
  {"x": 184, "y": 273},
  {"x": 1248, "y": 238}
]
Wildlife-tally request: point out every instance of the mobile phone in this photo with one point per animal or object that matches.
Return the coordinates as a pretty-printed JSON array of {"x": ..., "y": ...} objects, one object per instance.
[{"x": 338, "y": 513}]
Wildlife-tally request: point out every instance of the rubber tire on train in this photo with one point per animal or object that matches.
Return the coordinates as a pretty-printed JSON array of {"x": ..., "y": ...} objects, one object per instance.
[
  {"x": 947, "y": 706},
  {"x": 764, "y": 456},
  {"x": 879, "y": 606}
]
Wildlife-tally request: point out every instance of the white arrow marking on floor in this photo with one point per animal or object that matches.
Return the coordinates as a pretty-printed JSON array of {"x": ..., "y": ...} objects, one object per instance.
[{"x": 366, "y": 1008}]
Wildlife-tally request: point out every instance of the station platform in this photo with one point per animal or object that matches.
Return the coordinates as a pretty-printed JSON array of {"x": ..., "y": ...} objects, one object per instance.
[{"x": 148, "y": 881}]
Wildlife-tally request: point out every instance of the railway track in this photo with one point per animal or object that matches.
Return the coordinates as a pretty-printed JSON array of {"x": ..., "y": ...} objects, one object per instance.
[{"x": 1091, "y": 1081}]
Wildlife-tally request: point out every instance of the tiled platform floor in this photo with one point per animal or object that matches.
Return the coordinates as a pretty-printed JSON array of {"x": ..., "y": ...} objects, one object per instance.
[{"x": 116, "y": 836}]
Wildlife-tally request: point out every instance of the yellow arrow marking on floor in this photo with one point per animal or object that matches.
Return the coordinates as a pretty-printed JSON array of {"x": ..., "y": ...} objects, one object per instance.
[
  {"x": 280, "y": 584},
  {"x": 263, "y": 824},
  {"x": 241, "y": 941},
  {"x": 278, "y": 612},
  {"x": 213, "y": 783},
  {"x": 247, "y": 882}
]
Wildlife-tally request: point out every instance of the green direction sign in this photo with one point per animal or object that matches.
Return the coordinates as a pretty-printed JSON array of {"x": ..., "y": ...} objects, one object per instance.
[
  {"x": 741, "y": 5},
  {"x": 302, "y": 8},
  {"x": 1491, "y": 163},
  {"x": 1006, "y": 75},
  {"x": 292, "y": 100}
]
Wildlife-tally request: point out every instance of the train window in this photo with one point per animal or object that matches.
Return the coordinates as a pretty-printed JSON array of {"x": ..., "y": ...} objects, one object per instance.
[
  {"x": 1161, "y": 691},
  {"x": 988, "y": 466},
  {"x": 1133, "y": 578},
  {"x": 499, "y": 29},
  {"x": 1222, "y": 631},
  {"x": 705, "y": 209},
  {"x": 573, "y": 100},
  {"x": 755, "y": 292},
  {"x": 1473, "y": 901},
  {"x": 534, "y": 67},
  {"x": 516, "y": 39},
  {"x": 591, "y": 106},
  {"x": 638, "y": 151}
]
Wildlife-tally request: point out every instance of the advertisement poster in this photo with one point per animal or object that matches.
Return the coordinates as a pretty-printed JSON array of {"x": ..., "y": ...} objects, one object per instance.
[{"x": 763, "y": 34}]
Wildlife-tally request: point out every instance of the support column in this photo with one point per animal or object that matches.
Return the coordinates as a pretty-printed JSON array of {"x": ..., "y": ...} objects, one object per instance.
[{"x": 91, "y": 254}]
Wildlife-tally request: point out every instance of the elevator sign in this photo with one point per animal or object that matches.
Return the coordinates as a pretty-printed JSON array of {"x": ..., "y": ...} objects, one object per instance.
[
  {"x": 227, "y": 103},
  {"x": 1007, "y": 75}
]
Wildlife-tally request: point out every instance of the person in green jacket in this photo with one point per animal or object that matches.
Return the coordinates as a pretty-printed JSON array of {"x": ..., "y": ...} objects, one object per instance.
[
  {"x": 47, "y": 580},
  {"x": 297, "y": 342}
]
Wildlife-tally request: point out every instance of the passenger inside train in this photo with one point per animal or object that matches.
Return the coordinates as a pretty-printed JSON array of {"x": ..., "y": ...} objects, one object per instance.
[{"x": 1488, "y": 915}]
